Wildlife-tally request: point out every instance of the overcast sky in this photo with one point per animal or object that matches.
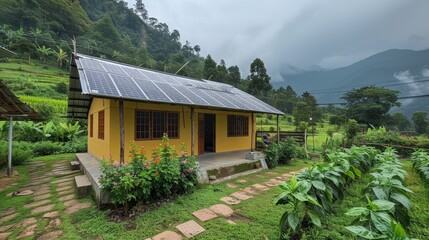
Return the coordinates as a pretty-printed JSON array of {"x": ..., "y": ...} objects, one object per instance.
[{"x": 303, "y": 33}]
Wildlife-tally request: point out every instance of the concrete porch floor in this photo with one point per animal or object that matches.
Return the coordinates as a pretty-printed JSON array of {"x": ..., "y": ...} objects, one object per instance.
[{"x": 209, "y": 161}]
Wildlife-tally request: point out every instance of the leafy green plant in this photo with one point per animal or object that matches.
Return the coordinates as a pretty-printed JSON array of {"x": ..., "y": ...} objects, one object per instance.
[
  {"x": 272, "y": 155},
  {"x": 421, "y": 164}
]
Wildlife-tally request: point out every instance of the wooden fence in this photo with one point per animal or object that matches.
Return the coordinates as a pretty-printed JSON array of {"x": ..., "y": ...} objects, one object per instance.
[{"x": 300, "y": 137}]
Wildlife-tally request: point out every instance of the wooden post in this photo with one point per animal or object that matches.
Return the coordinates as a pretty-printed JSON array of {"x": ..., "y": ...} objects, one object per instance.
[
  {"x": 305, "y": 139},
  {"x": 278, "y": 129},
  {"x": 192, "y": 132},
  {"x": 9, "y": 158},
  {"x": 122, "y": 132},
  {"x": 253, "y": 135}
]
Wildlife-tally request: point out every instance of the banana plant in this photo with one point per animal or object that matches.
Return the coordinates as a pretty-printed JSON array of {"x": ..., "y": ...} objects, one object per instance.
[{"x": 295, "y": 193}]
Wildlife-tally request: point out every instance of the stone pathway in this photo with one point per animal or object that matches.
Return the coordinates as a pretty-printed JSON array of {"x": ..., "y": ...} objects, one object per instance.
[
  {"x": 191, "y": 228},
  {"x": 49, "y": 190}
]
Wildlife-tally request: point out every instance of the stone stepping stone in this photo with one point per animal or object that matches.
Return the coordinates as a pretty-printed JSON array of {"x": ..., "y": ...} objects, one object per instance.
[
  {"x": 51, "y": 235},
  {"x": 287, "y": 175},
  {"x": 21, "y": 193},
  {"x": 242, "y": 181},
  {"x": 71, "y": 203},
  {"x": 68, "y": 183},
  {"x": 250, "y": 190},
  {"x": 5, "y": 228},
  {"x": 273, "y": 182},
  {"x": 28, "y": 232},
  {"x": 60, "y": 189},
  {"x": 38, "y": 203},
  {"x": 50, "y": 215},
  {"x": 167, "y": 235},
  {"x": 42, "y": 209},
  {"x": 222, "y": 209},
  {"x": 204, "y": 214},
  {"x": 62, "y": 180},
  {"x": 54, "y": 223},
  {"x": 67, "y": 197},
  {"x": 78, "y": 207},
  {"x": 26, "y": 222},
  {"x": 41, "y": 197},
  {"x": 66, "y": 192},
  {"x": 8, "y": 218},
  {"x": 7, "y": 212},
  {"x": 260, "y": 187},
  {"x": 42, "y": 191},
  {"x": 241, "y": 195},
  {"x": 231, "y": 185},
  {"x": 230, "y": 200},
  {"x": 271, "y": 173},
  {"x": 190, "y": 229},
  {"x": 5, "y": 235}
]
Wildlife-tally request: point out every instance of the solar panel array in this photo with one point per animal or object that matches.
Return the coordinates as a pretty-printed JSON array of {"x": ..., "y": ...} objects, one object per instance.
[{"x": 115, "y": 80}]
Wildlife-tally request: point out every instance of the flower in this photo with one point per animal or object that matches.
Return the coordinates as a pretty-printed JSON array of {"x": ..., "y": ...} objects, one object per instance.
[
  {"x": 183, "y": 175},
  {"x": 165, "y": 144},
  {"x": 117, "y": 164},
  {"x": 183, "y": 153},
  {"x": 115, "y": 184},
  {"x": 157, "y": 160},
  {"x": 189, "y": 170},
  {"x": 157, "y": 174},
  {"x": 148, "y": 164},
  {"x": 142, "y": 151},
  {"x": 183, "y": 162}
]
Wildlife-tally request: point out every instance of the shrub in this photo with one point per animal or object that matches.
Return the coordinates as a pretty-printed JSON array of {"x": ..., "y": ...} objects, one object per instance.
[
  {"x": 272, "y": 155},
  {"x": 46, "y": 148},
  {"x": 21, "y": 152},
  {"x": 141, "y": 180},
  {"x": 77, "y": 145},
  {"x": 288, "y": 150}
]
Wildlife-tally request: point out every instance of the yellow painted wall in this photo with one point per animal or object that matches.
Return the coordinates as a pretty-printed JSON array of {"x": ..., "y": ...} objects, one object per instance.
[{"x": 101, "y": 148}]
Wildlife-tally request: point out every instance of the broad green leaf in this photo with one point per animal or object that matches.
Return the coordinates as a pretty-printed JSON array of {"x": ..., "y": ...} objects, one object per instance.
[
  {"x": 293, "y": 220},
  {"x": 399, "y": 230},
  {"x": 402, "y": 199},
  {"x": 379, "y": 193},
  {"x": 383, "y": 205},
  {"x": 350, "y": 174},
  {"x": 364, "y": 233},
  {"x": 380, "y": 222},
  {"x": 315, "y": 219},
  {"x": 282, "y": 198},
  {"x": 319, "y": 185},
  {"x": 357, "y": 171},
  {"x": 357, "y": 211}
]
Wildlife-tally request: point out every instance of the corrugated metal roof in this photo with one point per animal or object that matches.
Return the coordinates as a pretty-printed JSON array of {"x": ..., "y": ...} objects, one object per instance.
[
  {"x": 10, "y": 105},
  {"x": 4, "y": 53},
  {"x": 95, "y": 77}
]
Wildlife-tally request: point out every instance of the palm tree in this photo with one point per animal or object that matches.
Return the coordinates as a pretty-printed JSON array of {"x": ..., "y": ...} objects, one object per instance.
[
  {"x": 44, "y": 52},
  {"x": 62, "y": 56}
]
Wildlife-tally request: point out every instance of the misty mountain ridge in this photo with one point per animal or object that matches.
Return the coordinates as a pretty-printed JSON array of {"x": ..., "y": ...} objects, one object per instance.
[{"x": 394, "y": 66}]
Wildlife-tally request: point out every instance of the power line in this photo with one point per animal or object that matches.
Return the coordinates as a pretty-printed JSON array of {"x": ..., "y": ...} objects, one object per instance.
[{"x": 399, "y": 98}]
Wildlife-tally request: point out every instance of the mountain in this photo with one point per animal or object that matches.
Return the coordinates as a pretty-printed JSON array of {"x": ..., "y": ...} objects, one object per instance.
[{"x": 385, "y": 68}]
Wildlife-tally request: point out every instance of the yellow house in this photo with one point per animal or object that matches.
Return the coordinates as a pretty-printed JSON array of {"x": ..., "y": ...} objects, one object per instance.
[{"x": 126, "y": 104}]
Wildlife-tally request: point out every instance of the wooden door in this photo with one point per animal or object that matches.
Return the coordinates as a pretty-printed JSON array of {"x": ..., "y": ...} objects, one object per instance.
[{"x": 201, "y": 133}]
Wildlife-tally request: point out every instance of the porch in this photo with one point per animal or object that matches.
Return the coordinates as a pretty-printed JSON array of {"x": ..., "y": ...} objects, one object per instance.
[{"x": 215, "y": 167}]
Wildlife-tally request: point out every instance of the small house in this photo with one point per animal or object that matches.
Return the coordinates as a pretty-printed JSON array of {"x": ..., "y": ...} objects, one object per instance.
[{"x": 126, "y": 104}]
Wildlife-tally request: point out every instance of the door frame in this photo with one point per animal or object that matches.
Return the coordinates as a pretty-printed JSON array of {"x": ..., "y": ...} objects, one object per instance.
[{"x": 201, "y": 133}]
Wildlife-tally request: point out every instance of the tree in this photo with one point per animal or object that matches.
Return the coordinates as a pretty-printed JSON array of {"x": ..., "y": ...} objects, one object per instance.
[
  {"x": 370, "y": 104},
  {"x": 399, "y": 121},
  {"x": 306, "y": 108},
  {"x": 421, "y": 122},
  {"x": 209, "y": 70},
  {"x": 221, "y": 72},
  {"x": 61, "y": 57},
  {"x": 259, "y": 80},
  {"x": 234, "y": 76},
  {"x": 197, "y": 49},
  {"x": 44, "y": 53}
]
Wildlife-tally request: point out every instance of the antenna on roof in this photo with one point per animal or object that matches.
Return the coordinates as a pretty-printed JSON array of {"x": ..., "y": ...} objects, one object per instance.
[{"x": 184, "y": 65}]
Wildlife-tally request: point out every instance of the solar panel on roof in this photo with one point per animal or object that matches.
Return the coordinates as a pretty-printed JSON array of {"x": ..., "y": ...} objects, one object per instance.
[
  {"x": 197, "y": 100},
  {"x": 128, "y": 88},
  {"x": 173, "y": 94},
  {"x": 151, "y": 90},
  {"x": 92, "y": 65},
  {"x": 208, "y": 97},
  {"x": 113, "y": 68},
  {"x": 152, "y": 76},
  {"x": 134, "y": 73},
  {"x": 170, "y": 79},
  {"x": 230, "y": 98},
  {"x": 101, "y": 83}
]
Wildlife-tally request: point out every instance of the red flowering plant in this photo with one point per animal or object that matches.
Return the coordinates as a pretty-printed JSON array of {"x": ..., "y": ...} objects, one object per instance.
[{"x": 165, "y": 168}]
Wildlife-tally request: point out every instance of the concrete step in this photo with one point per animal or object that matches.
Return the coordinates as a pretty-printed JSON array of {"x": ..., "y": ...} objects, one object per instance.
[
  {"x": 75, "y": 165},
  {"x": 83, "y": 185}
]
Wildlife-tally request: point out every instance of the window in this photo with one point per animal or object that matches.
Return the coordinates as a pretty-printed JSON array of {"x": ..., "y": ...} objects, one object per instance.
[
  {"x": 142, "y": 124},
  {"x": 153, "y": 124},
  {"x": 91, "y": 125},
  {"x": 101, "y": 125},
  {"x": 238, "y": 126}
]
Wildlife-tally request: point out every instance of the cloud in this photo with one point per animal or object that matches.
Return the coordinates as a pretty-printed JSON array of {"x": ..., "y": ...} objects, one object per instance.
[
  {"x": 415, "y": 88},
  {"x": 330, "y": 33}
]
